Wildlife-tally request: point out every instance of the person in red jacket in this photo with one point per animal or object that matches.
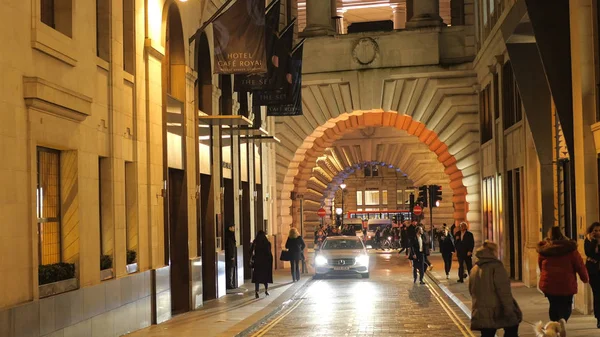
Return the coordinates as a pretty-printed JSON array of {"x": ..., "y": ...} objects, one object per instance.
[{"x": 559, "y": 262}]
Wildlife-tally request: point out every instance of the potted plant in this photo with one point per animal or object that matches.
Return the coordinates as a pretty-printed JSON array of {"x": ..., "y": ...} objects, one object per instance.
[
  {"x": 131, "y": 261},
  {"x": 56, "y": 278},
  {"x": 106, "y": 264}
]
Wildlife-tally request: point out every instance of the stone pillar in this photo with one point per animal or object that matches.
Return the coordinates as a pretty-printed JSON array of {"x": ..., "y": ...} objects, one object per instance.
[
  {"x": 584, "y": 108},
  {"x": 399, "y": 16},
  {"x": 318, "y": 18},
  {"x": 426, "y": 13}
]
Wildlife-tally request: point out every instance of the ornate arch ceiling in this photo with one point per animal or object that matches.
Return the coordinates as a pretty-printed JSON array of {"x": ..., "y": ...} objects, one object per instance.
[{"x": 382, "y": 146}]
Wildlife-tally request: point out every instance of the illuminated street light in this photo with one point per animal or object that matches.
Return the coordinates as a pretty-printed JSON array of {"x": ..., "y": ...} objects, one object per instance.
[{"x": 338, "y": 211}]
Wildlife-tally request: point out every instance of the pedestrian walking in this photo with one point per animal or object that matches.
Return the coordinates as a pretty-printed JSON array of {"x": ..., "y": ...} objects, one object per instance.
[
  {"x": 403, "y": 240},
  {"x": 447, "y": 249},
  {"x": 559, "y": 262},
  {"x": 493, "y": 305},
  {"x": 261, "y": 261},
  {"x": 418, "y": 253},
  {"x": 411, "y": 232},
  {"x": 295, "y": 245},
  {"x": 464, "y": 243},
  {"x": 230, "y": 254},
  {"x": 592, "y": 253}
]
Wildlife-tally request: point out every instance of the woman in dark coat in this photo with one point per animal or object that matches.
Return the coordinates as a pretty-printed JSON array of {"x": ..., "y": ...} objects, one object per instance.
[
  {"x": 295, "y": 245},
  {"x": 592, "y": 253},
  {"x": 262, "y": 272},
  {"x": 447, "y": 249}
]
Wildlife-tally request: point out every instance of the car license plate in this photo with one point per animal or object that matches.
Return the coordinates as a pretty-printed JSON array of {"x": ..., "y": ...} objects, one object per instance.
[{"x": 341, "y": 268}]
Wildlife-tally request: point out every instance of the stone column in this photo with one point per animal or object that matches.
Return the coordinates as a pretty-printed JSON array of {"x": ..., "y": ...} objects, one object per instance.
[
  {"x": 584, "y": 108},
  {"x": 318, "y": 18},
  {"x": 426, "y": 13},
  {"x": 399, "y": 16},
  {"x": 342, "y": 23}
]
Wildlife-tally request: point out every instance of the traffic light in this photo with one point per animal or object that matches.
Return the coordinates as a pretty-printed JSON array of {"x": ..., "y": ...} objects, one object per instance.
[
  {"x": 435, "y": 193},
  {"x": 422, "y": 198}
]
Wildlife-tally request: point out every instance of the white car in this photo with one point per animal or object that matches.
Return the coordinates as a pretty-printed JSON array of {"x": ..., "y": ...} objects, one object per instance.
[{"x": 342, "y": 255}]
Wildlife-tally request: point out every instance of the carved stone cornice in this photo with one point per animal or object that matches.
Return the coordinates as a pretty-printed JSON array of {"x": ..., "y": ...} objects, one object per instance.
[{"x": 56, "y": 100}]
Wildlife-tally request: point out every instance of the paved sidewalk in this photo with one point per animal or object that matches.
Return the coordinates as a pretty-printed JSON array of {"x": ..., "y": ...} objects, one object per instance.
[
  {"x": 231, "y": 314},
  {"x": 532, "y": 302}
]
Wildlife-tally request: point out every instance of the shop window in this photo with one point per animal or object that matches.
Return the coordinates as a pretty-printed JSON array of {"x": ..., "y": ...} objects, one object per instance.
[
  {"x": 48, "y": 205},
  {"x": 102, "y": 30},
  {"x": 129, "y": 36},
  {"x": 372, "y": 197},
  {"x": 359, "y": 198},
  {"x": 407, "y": 194},
  {"x": 488, "y": 207},
  {"x": 486, "y": 115},
  {"x": 57, "y": 14}
]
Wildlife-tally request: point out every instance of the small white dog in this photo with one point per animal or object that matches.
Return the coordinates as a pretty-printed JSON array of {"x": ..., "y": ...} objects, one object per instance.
[{"x": 551, "y": 329}]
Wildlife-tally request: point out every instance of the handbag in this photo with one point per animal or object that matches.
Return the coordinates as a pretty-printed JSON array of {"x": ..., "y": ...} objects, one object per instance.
[
  {"x": 252, "y": 261},
  {"x": 285, "y": 255}
]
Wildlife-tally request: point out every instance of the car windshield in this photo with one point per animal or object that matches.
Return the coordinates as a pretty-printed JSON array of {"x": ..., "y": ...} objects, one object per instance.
[{"x": 342, "y": 244}]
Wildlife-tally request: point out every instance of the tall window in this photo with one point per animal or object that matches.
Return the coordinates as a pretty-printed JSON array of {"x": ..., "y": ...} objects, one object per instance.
[
  {"x": 385, "y": 197},
  {"x": 359, "y": 198},
  {"x": 487, "y": 118},
  {"x": 48, "y": 205},
  {"x": 129, "y": 36},
  {"x": 488, "y": 207},
  {"x": 102, "y": 30},
  {"x": 57, "y": 14},
  {"x": 399, "y": 197},
  {"x": 407, "y": 194},
  {"x": 511, "y": 98},
  {"x": 372, "y": 197}
]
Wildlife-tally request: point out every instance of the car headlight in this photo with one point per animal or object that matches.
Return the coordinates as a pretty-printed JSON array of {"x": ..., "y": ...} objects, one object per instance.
[
  {"x": 320, "y": 260},
  {"x": 363, "y": 260}
]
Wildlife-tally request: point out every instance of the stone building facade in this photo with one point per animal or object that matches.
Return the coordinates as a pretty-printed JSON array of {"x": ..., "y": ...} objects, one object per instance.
[
  {"x": 538, "y": 115},
  {"x": 121, "y": 151}
]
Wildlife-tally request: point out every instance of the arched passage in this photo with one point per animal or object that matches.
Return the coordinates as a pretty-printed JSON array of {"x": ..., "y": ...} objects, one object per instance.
[{"x": 465, "y": 187}]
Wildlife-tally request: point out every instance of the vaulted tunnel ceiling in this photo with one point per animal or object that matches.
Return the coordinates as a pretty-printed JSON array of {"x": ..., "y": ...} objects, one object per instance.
[{"x": 381, "y": 146}]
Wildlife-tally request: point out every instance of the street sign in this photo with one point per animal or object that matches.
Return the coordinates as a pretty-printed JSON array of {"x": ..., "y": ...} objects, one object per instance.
[
  {"x": 321, "y": 212},
  {"x": 418, "y": 210}
]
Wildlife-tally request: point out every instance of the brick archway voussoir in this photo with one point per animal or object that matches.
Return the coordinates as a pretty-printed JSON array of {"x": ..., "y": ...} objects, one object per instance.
[{"x": 324, "y": 136}]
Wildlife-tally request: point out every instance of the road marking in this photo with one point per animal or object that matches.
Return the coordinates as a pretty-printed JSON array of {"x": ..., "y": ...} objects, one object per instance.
[
  {"x": 466, "y": 331},
  {"x": 262, "y": 331}
]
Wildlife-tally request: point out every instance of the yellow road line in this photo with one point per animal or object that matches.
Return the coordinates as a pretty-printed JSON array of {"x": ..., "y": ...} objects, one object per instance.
[
  {"x": 466, "y": 331},
  {"x": 269, "y": 326},
  {"x": 280, "y": 317}
]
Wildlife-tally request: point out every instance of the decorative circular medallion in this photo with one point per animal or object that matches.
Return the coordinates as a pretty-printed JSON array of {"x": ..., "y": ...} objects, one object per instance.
[{"x": 365, "y": 50}]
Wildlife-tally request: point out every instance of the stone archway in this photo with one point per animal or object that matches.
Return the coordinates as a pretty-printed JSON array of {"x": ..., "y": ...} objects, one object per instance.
[{"x": 456, "y": 149}]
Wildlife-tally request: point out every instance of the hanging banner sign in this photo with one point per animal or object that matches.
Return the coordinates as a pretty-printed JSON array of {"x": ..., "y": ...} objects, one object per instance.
[
  {"x": 281, "y": 78},
  {"x": 239, "y": 38},
  {"x": 261, "y": 81},
  {"x": 294, "y": 94}
]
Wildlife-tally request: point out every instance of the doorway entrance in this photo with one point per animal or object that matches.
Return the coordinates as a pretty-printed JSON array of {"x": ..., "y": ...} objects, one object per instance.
[
  {"x": 209, "y": 257},
  {"x": 178, "y": 248},
  {"x": 515, "y": 237}
]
